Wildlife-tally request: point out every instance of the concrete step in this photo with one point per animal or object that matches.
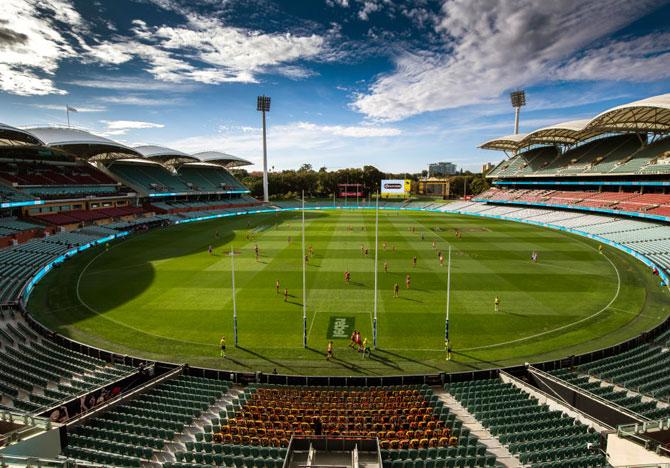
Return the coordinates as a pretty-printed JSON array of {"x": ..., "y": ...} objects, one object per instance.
[{"x": 493, "y": 445}]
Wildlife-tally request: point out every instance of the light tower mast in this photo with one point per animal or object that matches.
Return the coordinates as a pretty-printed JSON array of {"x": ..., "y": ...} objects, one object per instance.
[{"x": 263, "y": 105}]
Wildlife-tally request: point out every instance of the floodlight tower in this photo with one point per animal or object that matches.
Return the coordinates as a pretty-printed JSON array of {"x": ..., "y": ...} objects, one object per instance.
[
  {"x": 263, "y": 105},
  {"x": 518, "y": 100}
]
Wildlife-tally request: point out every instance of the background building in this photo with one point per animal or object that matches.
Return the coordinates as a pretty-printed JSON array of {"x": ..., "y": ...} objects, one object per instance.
[
  {"x": 486, "y": 167},
  {"x": 441, "y": 169}
]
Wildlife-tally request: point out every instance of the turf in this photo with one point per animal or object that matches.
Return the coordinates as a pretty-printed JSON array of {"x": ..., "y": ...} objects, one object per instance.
[{"x": 162, "y": 296}]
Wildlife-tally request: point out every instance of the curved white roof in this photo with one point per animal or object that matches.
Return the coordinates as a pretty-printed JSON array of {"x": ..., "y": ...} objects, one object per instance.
[
  {"x": 81, "y": 143},
  {"x": 648, "y": 115},
  {"x": 509, "y": 142},
  {"x": 569, "y": 132},
  {"x": 223, "y": 159},
  {"x": 16, "y": 135},
  {"x": 166, "y": 156},
  {"x": 149, "y": 151}
]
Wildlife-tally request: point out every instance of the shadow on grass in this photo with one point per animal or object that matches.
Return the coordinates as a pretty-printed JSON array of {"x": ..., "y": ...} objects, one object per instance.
[
  {"x": 342, "y": 363},
  {"x": 265, "y": 358},
  {"x": 228, "y": 358},
  {"x": 405, "y": 358},
  {"x": 472, "y": 358},
  {"x": 409, "y": 299}
]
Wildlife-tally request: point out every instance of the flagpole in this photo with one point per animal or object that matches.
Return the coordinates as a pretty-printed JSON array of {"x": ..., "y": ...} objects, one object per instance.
[
  {"x": 304, "y": 290},
  {"x": 446, "y": 323},
  {"x": 232, "y": 259},
  {"x": 374, "y": 321},
  {"x": 67, "y": 111}
]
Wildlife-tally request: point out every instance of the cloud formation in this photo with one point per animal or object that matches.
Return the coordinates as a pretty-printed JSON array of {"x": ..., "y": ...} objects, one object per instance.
[
  {"x": 31, "y": 45},
  {"x": 289, "y": 143},
  {"x": 121, "y": 127},
  {"x": 206, "y": 50},
  {"x": 43, "y": 34},
  {"x": 492, "y": 46}
]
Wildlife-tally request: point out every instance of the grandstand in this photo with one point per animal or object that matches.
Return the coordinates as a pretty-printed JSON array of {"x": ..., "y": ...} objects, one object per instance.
[{"x": 65, "y": 190}]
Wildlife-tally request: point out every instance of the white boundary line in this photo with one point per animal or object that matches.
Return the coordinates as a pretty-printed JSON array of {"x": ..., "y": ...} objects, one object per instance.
[
  {"x": 518, "y": 340},
  {"x": 123, "y": 324},
  {"x": 83, "y": 303}
]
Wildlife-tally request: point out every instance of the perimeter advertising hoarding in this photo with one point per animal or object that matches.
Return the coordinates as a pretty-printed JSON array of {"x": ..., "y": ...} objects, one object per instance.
[{"x": 396, "y": 187}]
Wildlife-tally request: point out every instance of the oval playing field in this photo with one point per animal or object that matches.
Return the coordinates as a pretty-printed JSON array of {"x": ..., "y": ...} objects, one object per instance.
[{"x": 161, "y": 295}]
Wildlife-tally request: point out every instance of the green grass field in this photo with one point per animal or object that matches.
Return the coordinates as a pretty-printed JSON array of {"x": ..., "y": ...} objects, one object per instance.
[{"x": 162, "y": 296}]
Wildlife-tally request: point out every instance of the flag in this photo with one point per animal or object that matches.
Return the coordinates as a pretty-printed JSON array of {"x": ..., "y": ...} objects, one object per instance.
[{"x": 70, "y": 109}]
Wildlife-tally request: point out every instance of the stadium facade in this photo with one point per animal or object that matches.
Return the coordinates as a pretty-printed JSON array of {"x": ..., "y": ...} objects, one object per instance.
[{"x": 64, "y": 190}]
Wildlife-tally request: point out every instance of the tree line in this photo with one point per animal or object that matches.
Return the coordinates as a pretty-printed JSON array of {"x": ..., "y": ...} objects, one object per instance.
[{"x": 322, "y": 183}]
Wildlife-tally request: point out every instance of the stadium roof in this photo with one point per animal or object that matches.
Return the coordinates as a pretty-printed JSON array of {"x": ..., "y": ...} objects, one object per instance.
[
  {"x": 648, "y": 115},
  {"x": 82, "y": 143},
  {"x": 222, "y": 159},
  {"x": 509, "y": 142},
  {"x": 567, "y": 133},
  {"x": 163, "y": 155},
  {"x": 136, "y": 161},
  {"x": 11, "y": 135}
]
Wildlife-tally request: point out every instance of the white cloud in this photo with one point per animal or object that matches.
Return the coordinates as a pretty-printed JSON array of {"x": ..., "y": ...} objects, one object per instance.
[
  {"x": 61, "y": 107},
  {"x": 229, "y": 54},
  {"x": 497, "y": 45},
  {"x": 130, "y": 84},
  {"x": 360, "y": 131},
  {"x": 289, "y": 144},
  {"x": 30, "y": 58},
  {"x": 369, "y": 6},
  {"x": 121, "y": 127},
  {"x": 132, "y": 100},
  {"x": 645, "y": 58},
  {"x": 130, "y": 124},
  {"x": 42, "y": 34}
]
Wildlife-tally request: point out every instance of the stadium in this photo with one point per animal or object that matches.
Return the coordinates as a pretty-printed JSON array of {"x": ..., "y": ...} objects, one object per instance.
[{"x": 170, "y": 307}]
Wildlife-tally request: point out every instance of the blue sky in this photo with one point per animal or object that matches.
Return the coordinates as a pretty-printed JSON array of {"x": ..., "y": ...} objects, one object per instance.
[{"x": 393, "y": 84}]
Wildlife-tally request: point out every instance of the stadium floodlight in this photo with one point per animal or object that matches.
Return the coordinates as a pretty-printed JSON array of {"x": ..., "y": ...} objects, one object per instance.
[
  {"x": 263, "y": 105},
  {"x": 232, "y": 270},
  {"x": 304, "y": 280},
  {"x": 518, "y": 99}
]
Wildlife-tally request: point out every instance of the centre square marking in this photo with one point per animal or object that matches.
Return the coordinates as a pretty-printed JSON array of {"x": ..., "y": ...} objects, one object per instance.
[{"x": 340, "y": 327}]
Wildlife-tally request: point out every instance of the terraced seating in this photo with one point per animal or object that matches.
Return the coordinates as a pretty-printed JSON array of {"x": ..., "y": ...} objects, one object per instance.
[
  {"x": 633, "y": 403},
  {"x": 11, "y": 195},
  {"x": 143, "y": 220},
  {"x": 10, "y": 226},
  {"x": 643, "y": 369},
  {"x": 148, "y": 177},
  {"x": 208, "y": 178},
  {"x": 37, "y": 374},
  {"x": 411, "y": 423},
  {"x": 131, "y": 433},
  {"x": 18, "y": 264},
  {"x": 536, "y": 434},
  {"x": 610, "y": 155}
]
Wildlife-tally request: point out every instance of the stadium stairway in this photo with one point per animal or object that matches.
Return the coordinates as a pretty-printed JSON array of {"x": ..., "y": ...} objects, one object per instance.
[
  {"x": 150, "y": 424},
  {"x": 493, "y": 445},
  {"x": 217, "y": 440},
  {"x": 198, "y": 432},
  {"x": 539, "y": 436}
]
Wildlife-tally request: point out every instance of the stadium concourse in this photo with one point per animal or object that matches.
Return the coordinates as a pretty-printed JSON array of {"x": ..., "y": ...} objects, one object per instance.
[{"x": 66, "y": 190}]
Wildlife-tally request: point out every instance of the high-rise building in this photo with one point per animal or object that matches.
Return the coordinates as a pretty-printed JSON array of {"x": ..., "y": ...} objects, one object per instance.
[
  {"x": 441, "y": 169},
  {"x": 487, "y": 167}
]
